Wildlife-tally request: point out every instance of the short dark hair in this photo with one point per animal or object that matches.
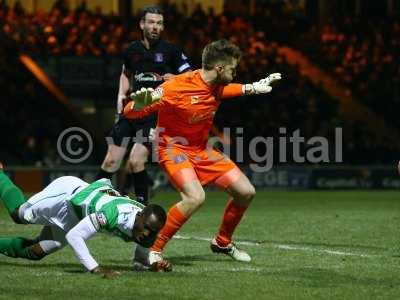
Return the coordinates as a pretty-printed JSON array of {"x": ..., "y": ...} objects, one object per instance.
[
  {"x": 150, "y": 9},
  {"x": 219, "y": 51},
  {"x": 156, "y": 210}
]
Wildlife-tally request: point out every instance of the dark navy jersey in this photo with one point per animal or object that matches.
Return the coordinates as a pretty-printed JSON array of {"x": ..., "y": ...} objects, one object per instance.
[{"x": 144, "y": 67}]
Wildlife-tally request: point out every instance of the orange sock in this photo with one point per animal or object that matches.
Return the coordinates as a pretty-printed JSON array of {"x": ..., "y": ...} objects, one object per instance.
[
  {"x": 232, "y": 216},
  {"x": 175, "y": 220}
]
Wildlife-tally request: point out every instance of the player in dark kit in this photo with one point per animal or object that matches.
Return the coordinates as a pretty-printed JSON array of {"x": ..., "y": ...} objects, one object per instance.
[{"x": 147, "y": 63}]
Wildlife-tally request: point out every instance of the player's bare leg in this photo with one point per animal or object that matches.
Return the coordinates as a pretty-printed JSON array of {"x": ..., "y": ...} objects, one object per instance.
[
  {"x": 193, "y": 197},
  {"x": 138, "y": 157},
  {"x": 112, "y": 161},
  {"x": 137, "y": 173},
  {"x": 241, "y": 193}
]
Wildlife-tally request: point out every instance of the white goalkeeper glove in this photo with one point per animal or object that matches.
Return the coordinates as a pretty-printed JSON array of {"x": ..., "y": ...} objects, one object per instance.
[
  {"x": 144, "y": 97},
  {"x": 262, "y": 86}
]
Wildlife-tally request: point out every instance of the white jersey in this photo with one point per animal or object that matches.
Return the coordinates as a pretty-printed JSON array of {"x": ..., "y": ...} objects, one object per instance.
[{"x": 80, "y": 210}]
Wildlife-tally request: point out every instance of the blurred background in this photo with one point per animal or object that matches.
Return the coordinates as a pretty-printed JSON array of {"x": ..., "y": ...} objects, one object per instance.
[{"x": 60, "y": 63}]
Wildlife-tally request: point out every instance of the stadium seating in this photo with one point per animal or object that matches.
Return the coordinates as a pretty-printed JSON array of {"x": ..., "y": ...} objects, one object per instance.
[{"x": 362, "y": 59}]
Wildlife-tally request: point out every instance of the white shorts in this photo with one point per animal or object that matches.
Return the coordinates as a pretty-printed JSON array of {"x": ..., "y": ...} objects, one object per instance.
[{"x": 51, "y": 207}]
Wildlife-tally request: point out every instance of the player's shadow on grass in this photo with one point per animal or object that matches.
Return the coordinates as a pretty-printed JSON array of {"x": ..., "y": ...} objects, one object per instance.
[
  {"x": 40, "y": 265},
  {"x": 64, "y": 267},
  {"x": 188, "y": 260},
  {"x": 112, "y": 267},
  {"x": 118, "y": 265},
  {"x": 184, "y": 260}
]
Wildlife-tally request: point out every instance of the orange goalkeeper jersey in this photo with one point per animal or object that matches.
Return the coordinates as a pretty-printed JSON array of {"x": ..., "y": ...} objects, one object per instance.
[{"x": 186, "y": 109}]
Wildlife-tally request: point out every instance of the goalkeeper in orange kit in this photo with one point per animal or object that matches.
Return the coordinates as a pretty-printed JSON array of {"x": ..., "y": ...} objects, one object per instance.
[{"x": 186, "y": 107}]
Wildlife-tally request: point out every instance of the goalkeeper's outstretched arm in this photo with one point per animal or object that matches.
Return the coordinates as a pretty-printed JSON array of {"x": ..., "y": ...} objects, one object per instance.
[
  {"x": 262, "y": 86},
  {"x": 147, "y": 101}
]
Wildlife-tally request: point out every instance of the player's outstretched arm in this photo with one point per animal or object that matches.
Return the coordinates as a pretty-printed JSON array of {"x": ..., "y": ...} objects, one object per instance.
[
  {"x": 76, "y": 238},
  {"x": 262, "y": 86}
]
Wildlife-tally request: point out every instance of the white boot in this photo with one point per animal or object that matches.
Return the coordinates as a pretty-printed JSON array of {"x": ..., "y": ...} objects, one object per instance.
[{"x": 230, "y": 250}]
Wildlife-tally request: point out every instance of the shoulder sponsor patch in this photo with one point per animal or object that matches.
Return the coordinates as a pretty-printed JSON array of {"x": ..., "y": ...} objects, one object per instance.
[{"x": 101, "y": 218}]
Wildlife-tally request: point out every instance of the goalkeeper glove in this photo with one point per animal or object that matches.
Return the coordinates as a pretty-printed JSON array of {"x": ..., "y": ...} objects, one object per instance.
[
  {"x": 144, "y": 97},
  {"x": 262, "y": 86}
]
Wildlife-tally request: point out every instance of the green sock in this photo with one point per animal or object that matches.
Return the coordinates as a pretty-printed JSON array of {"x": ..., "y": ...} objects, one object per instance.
[
  {"x": 17, "y": 247},
  {"x": 11, "y": 195}
]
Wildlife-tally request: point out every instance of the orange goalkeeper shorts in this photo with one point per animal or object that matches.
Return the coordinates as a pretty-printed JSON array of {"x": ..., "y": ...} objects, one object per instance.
[{"x": 183, "y": 164}]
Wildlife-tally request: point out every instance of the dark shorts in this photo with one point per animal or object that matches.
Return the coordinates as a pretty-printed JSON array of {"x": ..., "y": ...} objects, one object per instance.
[{"x": 125, "y": 132}]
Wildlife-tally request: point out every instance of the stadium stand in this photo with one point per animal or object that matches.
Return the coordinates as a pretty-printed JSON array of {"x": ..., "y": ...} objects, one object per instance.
[{"x": 363, "y": 60}]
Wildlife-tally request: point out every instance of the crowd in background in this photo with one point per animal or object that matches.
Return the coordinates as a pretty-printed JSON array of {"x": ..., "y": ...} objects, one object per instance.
[
  {"x": 64, "y": 31},
  {"x": 362, "y": 54},
  {"x": 29, "y": 122},
  {"x": 364, "y": 60}
]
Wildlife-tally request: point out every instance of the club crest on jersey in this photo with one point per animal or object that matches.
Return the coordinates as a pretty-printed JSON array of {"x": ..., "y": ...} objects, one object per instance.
[
  {"x": 158, "y": 57},
  {"x": 194, "y": 99},
  {"x": 180, "y": 158},
  {"x": 101, "y": 218}
]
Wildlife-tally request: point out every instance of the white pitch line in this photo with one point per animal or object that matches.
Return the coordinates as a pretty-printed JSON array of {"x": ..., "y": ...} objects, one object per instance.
[
  {"x": 281, "y": 246},
  {"x": 333, "y": 252},
  {"x": 208, "y": 270}
]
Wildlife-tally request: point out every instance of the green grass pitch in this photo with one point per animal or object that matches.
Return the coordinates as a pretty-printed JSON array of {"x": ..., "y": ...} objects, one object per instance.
[{"x": 304, "y": 245}]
